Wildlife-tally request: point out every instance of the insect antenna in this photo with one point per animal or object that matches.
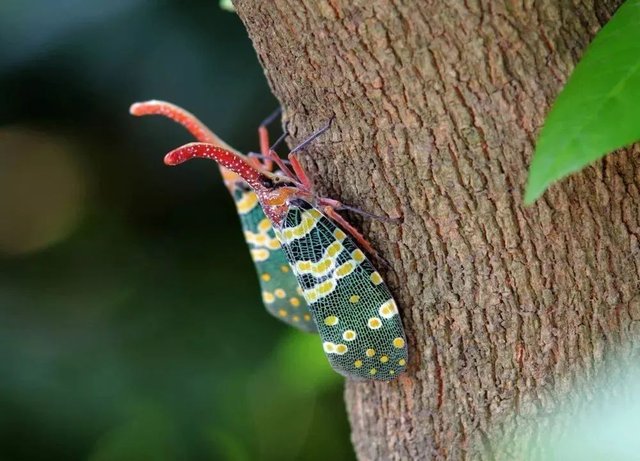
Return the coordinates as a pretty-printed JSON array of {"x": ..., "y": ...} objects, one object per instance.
[
  {"x": 311, "y": 138},
  {"x": 279, "y": 140},
  {"x": 272, "y": 116},
  {"x": 370, "y": 215},
  {"x": 276, "y": 158}
]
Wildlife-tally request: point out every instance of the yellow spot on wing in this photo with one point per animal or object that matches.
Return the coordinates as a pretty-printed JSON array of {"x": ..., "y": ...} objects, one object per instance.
[
  {"x": 295, "y": 302},
  {"x": 322, "y": 266},
  {"x": 338, "y": 234},
  {"x": 229, "y": 177},
  {"x": 273, "y": 244},
  {"x": 319, "y": 291},
  {"x": 326, "y": 287},
  {"x": 282, "y": 313},
  {"x": 388, "y": 309},
  {"x": 334, "y": 249},
  {"x": 341, "y": 349},
  {"x": 384, "y": 359},
  {"x": 402, "y": 362},
  {"x": 345, "y": 269},
  {"x": 357, "y": 363},
  {"x": 398, "y": 343},
  {"x": 280, "y": 293},
  {"x": 264, "y": 225},
  {"x": 303, "y": 266},
  {"x": 317, "y": 269},
  {"x": 373, "y": 371},
  {"x": 374, "y": 323},
  {"x": 349, "y": 335},
  {"x": 308, "y": 222},
  {"x": 370, "y": 352},
  {"x": 354, "y": 299},
  {"x": 358, "y": 255},
  {"x": 329, "y": 347},
  {"x": 247, "y": 202},
  {"x": 307, "y": 317},
  {"x": 315, "y": 214},
  {"x": 268, "y": 297},
  {"x": 376, "y": 278},
  {"x": 266, "y": 277},
  {"x": 331, "y": 320},
  {"x": 284, "y": 268},
  {"x": 310, "y": 296},
  {"x": 260, "y": 255}
]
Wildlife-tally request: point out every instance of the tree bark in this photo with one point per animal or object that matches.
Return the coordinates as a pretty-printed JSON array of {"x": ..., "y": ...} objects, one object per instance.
[{"x": 508, "y": 310}]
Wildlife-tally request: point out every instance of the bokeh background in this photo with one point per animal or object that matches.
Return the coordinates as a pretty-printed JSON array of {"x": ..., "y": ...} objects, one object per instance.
[{"x": 131, "y": 326}]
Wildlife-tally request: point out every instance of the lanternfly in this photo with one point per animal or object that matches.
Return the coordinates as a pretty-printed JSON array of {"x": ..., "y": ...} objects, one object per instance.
[
  {"x": 281, "y": 294},
  {"x": 356, "y": 316}
]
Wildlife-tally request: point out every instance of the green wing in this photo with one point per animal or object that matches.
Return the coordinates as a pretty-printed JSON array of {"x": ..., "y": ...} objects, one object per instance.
[
  {"x": 280, "y": 291},
  {"x": 356, "y": 315}
]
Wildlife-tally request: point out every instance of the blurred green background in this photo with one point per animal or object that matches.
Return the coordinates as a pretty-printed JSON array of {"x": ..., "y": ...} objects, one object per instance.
[{"x": 131, "y": 326}]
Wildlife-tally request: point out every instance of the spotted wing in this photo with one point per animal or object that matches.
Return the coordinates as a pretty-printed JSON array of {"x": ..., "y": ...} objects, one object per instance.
[
  {"x": 356, "y": 315},
  {"x": 280, "y": 291}
]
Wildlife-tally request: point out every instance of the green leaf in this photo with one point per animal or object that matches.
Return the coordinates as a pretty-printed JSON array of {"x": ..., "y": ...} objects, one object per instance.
[
  {"x": 300, "y": 359},
  {"x": 599, "y": 108},
  {"x": 227, "y": 5}
]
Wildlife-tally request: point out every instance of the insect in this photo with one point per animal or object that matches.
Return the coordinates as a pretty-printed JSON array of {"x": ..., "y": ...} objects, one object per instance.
[
  {"x": 357, "y": 318},
  {"x": 281, "y": 293}
]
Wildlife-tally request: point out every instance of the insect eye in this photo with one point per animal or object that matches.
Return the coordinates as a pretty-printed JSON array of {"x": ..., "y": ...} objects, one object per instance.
[
  {"x": 267, "y": 182},
  {"x": 275, "y": 183}
]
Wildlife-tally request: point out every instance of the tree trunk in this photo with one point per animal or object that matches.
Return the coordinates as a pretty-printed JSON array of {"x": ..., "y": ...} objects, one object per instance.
[{"x": 508, "y": 310}]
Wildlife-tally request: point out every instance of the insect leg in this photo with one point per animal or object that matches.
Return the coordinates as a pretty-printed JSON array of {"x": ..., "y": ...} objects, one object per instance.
[
  {"x": 269, "y": 156},
  {"x": 364, "y": 243},
  {"x": 263, "y": 135},
  {"x": 264, "y": 157},
  {"x": 301, "y": 175},
  {"x": 271, "y": 153},
  {"x": 333, "y": 214},
  {"x": 335, "y": 204}
]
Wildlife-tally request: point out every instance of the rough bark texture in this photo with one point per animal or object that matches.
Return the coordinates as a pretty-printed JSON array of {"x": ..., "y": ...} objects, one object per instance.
[{"x": 438, "y": 104}]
